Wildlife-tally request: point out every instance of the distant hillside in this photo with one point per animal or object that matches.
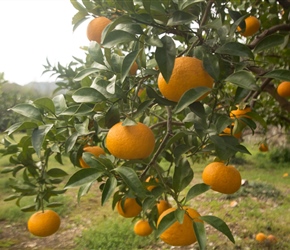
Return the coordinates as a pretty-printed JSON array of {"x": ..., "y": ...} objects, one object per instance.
[{"x": 41, "y": 88}]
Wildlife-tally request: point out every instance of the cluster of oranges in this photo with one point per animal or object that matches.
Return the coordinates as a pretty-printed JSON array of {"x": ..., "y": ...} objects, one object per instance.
[{"x": 267, "y": 239}]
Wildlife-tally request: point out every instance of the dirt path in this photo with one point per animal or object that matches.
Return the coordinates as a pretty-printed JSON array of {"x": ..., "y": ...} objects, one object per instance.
[{"x": 14, "y": 236}]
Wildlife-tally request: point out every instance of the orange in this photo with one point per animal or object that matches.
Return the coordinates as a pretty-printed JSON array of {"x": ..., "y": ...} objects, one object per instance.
[
  {"x": 263, "y": 147},
  {"x": 43, "y": 223},
  {"x": 130, "y": 142},
  {"x": 142, "y": 228},
  {"x": 130, "y": 208},
  {"x": 133, "y": 69},
  {"x": 188, "y": 73},
  {"x": 162, "y": 205},
  {"x": 222, "y": 178},
  {"x": 238, "y": 113},
  {"x": 95, "y": 150},
  {"x": 228, "y": 131},
  {"x": 95, "y": 28},
  {"x": 272, "y": 239},
  {"x": 180, "y": 234},
  {"x": 261, "y": 237},
  {"x": 283, "y": 89},
  {"x": 150, "y": 178},
  {"x": 252, "y": 26}
]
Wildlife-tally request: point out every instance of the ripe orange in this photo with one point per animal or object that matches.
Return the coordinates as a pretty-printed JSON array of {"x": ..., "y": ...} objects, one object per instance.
[
  {"x": 43, "y": 224},
  {"x": 261, "y": 237},
  {"x": 222, "y": 178},
  {"x": 252, "y": 26},
  {"x": 263, "y": 147},
  {"x": 180, "y": 234},
  {"x": 238, "y": 113},
  {"x": 228, "y": 131},
  {"x": 188, "y": 73},
  {"x": 130, "y": 142},
  {"x": 130, "y": 208},
  {"x": 142, "y": 228},
  {"x": 162, "y": 205},
  {"x": 150, "y": 178},
  {"x": 284, "y": 89},
  {"x": 96, "y": 27},
  {"x": 95, "y": 150},
  {"x": 272, "y": 239},
  {"x": 133, "y": 69}
]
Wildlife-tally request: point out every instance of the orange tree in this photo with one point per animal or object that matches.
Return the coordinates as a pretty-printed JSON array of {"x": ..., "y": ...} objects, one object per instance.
[{"x": 230, "y": 71}]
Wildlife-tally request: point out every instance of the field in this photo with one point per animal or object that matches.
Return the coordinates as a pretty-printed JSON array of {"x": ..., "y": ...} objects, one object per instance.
[{"x": 261, "y": 205}]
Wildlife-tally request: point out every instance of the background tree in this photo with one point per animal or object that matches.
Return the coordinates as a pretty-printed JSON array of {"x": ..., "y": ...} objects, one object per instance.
[{"x": 103, "y": 90}]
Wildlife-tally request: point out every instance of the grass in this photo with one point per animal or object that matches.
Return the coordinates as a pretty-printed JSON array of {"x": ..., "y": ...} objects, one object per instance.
[{"x": 262, "y": 205}]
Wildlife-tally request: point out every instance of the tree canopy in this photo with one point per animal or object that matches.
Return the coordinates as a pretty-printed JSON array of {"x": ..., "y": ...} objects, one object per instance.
[{"x": 100, "y": 92}]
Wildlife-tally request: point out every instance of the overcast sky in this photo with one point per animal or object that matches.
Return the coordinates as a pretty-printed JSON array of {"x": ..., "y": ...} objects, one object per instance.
[{"x": 33, "y": 30}]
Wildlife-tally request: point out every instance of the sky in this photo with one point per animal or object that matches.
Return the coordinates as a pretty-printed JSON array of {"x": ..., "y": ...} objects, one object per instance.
[{"x": 33, "y": 30}]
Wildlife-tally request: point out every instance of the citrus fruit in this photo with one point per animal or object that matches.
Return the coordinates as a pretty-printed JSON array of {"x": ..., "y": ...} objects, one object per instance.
[
  {"x": 222, "y": 178},
  {"x": 188, "y": 73},
  {"x": 162, "y": 205},
  {"x": 272, "y": 239},
  {"x": 263, "y": 147},
  {"x": 95, "y": 150},
  {"x": 129, "y": 209},
  {"x": 133, "y": 69},
  {"x": 238, "y": 113},
  {"x": 95, "y": 28},
  {"x": 180, "y": 234},
  {"x": 43, "y": 223},
  {"x": 151, "y": 179},
  {"x": 283, "y": 89},
  {"x": 228, "y": 131},
  {"x": 252, "y": 26},
  {"x": 261, "y": 237},
  {"x": 142, "y": 228},
  {"x": 130, "y": 142}
]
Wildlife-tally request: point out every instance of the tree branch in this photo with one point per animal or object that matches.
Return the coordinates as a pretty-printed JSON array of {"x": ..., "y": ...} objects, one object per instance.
[{"x": 267, "y": 32}]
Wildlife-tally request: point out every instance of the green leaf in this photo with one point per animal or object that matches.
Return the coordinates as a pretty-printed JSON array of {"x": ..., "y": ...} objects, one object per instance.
[
  {"x": 45, "y": 103},
  {"x": 165, "y": 223},
  {"x": 180, "y": 17},
  {"x": 200, "y": 233},
  {"x": 77, "y": 5},
  {"x": 165, "y": 57},
  {"x": 279, "y": 74},
  {"x": 117, "y": 36},
  {"x": 96, "y": 53},
  {"x": 235, "y": 49},
  {"x": 70, "y": 142},
  {"x": 56, "y": 172},
  {"x": 127, "y": 63},
  {"x": 190, "y": 97},
  {"x": 112, "y": 116},
  {"x": 82, "y": 177},
  {"x": 28, "y": 111},
  {"x": 87, "y": 94},
  {"x": 54, "y": 204},
  {"x": 196, "y": 190},
  {"x": 20, "y": 126},
  {"x": 218, "y": 224},
  {"x": 86, "y": 72},
  {"x": 182, "y": 176},
  {"x": 29, "y": 208},
  {"x": 38, "y": 137},
  {"x": 153, "y": 95},
  {"x": 210, "y": 63},
  {"x": 269, "y": 42},
  {"x": 96, "y": 162},
  {"x": 179, "y": 215},
  {"x": 59, "y": 104},
  {"x": 131, "y": 179},
  {"x": 109, "y": 188},
  {"x": 222, "y": 122},
  {"x": 83, "y": 190},
  {"x": 243, "y": 79}
]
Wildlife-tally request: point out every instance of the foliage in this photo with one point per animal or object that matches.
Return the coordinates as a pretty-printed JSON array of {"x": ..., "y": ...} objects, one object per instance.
[
  {"x": 281, "y": 155},
  {"x": 100, "y": 93}
]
